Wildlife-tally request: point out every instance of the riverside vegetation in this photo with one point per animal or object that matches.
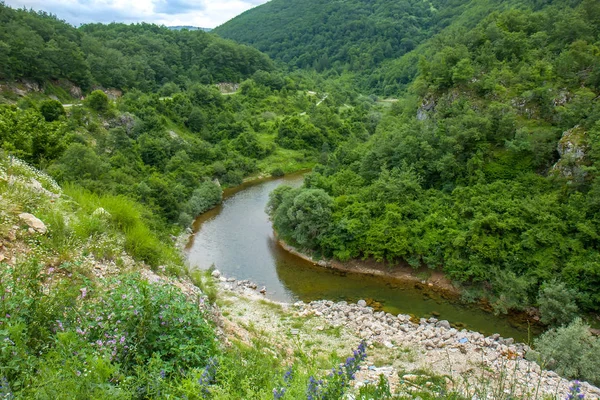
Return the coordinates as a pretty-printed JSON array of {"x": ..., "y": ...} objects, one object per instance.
[{"x": 486, "y": 169}]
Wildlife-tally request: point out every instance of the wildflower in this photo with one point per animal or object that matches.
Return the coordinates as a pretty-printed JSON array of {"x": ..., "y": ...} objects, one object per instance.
[
  {"x": 278, "y": 393},
  {"x": 575, "y": 391}
]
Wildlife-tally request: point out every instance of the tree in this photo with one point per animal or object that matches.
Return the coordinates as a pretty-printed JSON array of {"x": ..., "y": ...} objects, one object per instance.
[
  {"x": 571, "y": 351},
  {"x": 557, "y": 304},
  {"x": 303, "y": 215},
  {"x": 97, "y": 100},
  {"x": 52, "y": 110}
]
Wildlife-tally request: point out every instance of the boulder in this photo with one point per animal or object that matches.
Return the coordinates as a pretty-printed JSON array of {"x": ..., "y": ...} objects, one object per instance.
[
  {"x": 33, "y": 222},
  {"x": 216, "y": 273},
  {"x": 443, "y": 324}
]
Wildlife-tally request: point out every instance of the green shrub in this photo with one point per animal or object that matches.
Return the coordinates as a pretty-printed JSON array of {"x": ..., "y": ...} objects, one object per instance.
[
  {"x": 572, "y": 351},
  {"x": 98, "y": 101},
  {"x": 52, "y": 110},
  {"x": 557, "y": 304},
  {"x": 205, "y": 197},
  {"x": 277, "y": 173},
  {"x": 142, "y": 320}
]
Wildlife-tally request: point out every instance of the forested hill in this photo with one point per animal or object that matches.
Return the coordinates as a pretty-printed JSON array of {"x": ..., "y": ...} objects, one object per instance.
[
  {"x": 359, "y": 36},
  {"x": 38, "y": 46},
  {"x": 487, "y": 169},
  {"x": 322, "y": 34}
]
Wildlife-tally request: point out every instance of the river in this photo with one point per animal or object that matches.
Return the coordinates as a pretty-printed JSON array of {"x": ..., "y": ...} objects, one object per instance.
[{"x": 237, "y": 238}]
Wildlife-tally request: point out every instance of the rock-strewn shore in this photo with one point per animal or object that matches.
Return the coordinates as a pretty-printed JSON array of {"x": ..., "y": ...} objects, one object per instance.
[{"x": 466, "y": 357}]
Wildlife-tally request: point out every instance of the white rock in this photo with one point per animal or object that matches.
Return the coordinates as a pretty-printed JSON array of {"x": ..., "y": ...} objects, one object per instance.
[
  {"x": 216, "y": 273},
  {"x": 33, "y": 222}
]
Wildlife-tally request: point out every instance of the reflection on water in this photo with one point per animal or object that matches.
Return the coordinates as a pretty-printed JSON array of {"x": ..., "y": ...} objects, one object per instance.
[{"x": 237, "y": 238}]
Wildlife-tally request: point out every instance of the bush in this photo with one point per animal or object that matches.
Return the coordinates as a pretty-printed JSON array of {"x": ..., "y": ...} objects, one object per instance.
[
  {"x": 52, "y": 110},
  {"x": 97, "y": 100},
  {"x": 205, "y": 197},
  {"x": 571, "y": 351},
  {"x": 557, "y": 304},
  {"x": 277, "y": 173}
]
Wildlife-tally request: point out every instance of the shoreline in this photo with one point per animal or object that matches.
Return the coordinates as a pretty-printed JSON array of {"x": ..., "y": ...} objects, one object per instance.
[
  {"x": 423, "y": 278},
  {"x": 430, "y": 344},
  {"x": 403, "y": 273}
]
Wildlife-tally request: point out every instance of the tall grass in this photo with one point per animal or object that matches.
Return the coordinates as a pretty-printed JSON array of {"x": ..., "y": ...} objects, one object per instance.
[{"x": 118, "y": 214}]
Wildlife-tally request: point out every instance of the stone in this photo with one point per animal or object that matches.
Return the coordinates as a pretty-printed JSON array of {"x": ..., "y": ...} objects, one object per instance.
[
  {"x": 263, "y": 290},
  {"x": 362, "y": 303},
  {"x": 443, "y": 324},
  {"x": 33, "y": 222},
  {"x": 216, "y": 273}
]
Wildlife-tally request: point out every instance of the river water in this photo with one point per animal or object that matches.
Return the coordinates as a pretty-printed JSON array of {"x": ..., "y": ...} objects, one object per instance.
[{"x": 237, "y": 238}]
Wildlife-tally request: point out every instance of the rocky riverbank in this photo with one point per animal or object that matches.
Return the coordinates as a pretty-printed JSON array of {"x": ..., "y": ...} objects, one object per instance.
[{"x": 399, "y": 346}]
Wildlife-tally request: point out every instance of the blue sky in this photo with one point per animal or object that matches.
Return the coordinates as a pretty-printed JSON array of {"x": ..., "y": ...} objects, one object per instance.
[{"x": 202, "y": 13}]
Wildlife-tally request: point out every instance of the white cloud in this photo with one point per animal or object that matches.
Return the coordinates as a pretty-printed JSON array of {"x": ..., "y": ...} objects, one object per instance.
[{"x": 203, "y": 13}]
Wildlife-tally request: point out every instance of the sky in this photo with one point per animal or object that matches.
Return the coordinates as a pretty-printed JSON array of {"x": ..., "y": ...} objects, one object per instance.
[{"x": 200, "y": 13}]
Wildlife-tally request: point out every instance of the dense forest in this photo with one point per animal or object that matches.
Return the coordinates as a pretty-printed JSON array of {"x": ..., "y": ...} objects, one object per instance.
[
  {"x": 486, "y": 169},
  {"x": 38, "y": 46},
  {"x": 362, "y": 39},
  {"x": 169, "y": 132}
]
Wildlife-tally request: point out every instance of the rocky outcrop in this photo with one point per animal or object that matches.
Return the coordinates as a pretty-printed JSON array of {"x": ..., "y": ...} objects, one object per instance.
[
  {"x": 572, "y": 150},
  {"x": 427, "y": 106}
]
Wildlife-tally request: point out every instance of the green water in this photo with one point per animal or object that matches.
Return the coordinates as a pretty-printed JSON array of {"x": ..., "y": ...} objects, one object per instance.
[{"x": 237, "y": 238}]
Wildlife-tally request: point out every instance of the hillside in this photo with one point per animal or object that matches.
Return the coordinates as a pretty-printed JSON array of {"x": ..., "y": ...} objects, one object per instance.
[
  {"x": 486, "y": 169},
  {"x": 82, "y": 318},
  {"x": 356, "y": 36},
  {"x": 39, "y": 47}
]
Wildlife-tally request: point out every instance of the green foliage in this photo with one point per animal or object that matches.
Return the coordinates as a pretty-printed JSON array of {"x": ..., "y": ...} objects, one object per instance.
[
  {"x": 97, "y": 101},
  {"x": 557, "y": 304},
  {"x": 302, "y": 215},
  {"x": 52, "y": 110},
  {"x": 26, "y": 134},
  {"x": 74, "y": 341},
  {"x": 38, "y": 46},
  {"x": 464, "y": 175},
  {"x": 205, "y": 197},
  {"x": 571, "y": 351}
]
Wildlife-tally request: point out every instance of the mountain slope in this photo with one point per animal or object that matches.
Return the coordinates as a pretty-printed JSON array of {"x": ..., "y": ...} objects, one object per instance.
[
  {"x": 359, "y": 36},
  {"x": 487, "y": 169},
  {"x": 37, "y": 46}
]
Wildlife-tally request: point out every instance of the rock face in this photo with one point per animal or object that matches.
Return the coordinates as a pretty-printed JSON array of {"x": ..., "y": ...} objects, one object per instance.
[
  {"x": 572, "y": 150},
  {"x": 427, "y": 106},
  {"x": 33, "y": 222}
]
